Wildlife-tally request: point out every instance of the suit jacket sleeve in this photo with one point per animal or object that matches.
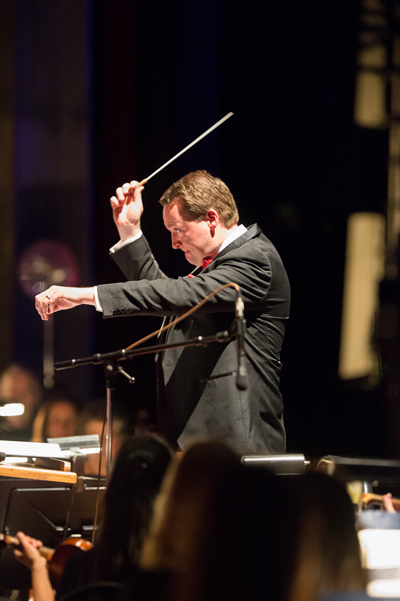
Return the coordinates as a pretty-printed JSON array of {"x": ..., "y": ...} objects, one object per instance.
[
  {"x": 154, "y": 294},
  {"x": 137, "y": 262}
]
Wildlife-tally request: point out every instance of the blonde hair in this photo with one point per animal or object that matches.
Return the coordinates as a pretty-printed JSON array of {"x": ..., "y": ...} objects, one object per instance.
[
  {"x": 328, "y": 556},
  {"x": 180, "y": 508}
]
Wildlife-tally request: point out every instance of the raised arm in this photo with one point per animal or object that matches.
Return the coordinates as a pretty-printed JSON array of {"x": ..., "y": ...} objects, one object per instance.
[{"x": 127, "y": 208}]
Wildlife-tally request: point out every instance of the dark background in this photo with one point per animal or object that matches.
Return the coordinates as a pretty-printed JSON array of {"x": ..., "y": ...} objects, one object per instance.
[{"x": 156, "y": 75}]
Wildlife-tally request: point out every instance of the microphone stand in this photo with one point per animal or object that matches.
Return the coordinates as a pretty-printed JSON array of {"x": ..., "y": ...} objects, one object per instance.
[
  {"x": 112, "y": 369},
  {"x": 110, "y": 372}
]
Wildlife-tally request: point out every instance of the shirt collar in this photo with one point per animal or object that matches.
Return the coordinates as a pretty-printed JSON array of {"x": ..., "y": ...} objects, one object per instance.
[{"x": 236, "y": 232}]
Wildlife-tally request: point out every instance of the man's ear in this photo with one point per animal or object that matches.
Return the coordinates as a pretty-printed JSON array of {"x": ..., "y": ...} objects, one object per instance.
[{"x": 212, "y": 219}]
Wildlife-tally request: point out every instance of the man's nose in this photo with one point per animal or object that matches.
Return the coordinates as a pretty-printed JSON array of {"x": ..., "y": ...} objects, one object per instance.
[{"x": 176, "y": 243}]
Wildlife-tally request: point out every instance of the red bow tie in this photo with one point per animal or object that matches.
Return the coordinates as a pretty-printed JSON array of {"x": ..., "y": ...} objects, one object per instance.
[{"x": 206, "y": 262}]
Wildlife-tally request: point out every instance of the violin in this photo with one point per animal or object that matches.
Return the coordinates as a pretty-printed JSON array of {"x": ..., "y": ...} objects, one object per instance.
[{"x": 56, "y": 558}]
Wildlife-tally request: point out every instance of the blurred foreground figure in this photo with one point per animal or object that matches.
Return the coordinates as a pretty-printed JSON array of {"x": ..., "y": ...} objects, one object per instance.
[
  {"x": 226, "y": 531},
  {"x": 328, "y": 549},
  {"x": 220, "y": 532}
]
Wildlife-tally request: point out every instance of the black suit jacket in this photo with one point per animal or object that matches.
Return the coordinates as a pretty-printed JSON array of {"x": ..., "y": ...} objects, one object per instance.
[{"x": 198, "y": 394}]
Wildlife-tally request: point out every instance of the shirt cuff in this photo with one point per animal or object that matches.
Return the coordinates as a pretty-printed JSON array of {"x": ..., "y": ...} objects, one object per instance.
[
  {"x": 120, "y": 244},
  {"x": 96, "y": 298}
]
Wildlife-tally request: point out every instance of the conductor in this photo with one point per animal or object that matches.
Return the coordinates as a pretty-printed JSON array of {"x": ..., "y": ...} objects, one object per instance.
[{"x": 197, "y": 387}]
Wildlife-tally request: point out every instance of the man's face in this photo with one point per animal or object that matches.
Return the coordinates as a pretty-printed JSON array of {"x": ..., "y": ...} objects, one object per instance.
[
  {"x": 17, "y": 387},
  {"x": 62, "y": 420},
  {"x": 194, "y": 238}
]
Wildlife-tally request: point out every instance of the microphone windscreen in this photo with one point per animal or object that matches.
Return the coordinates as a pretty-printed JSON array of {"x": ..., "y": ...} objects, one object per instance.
[{"x": 242, "y": 382}]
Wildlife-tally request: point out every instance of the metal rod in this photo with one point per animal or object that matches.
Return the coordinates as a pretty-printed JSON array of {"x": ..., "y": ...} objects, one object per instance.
[
  {"x": 108, "y": 444},
  {"x": 144, "y": 181}
]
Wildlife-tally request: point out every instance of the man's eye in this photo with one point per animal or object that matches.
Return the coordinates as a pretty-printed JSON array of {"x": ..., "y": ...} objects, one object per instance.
[{"x": 177, "y": 231}]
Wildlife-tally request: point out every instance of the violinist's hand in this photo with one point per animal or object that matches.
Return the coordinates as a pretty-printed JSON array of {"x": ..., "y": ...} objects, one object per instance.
[
  {"x": 127, "y": 208},
  {"x": 388, "y": 503},
  {"x": 60, "y": 298},
  {"x": 31, "y": 558},
  {"x": 28, "y": 554}
]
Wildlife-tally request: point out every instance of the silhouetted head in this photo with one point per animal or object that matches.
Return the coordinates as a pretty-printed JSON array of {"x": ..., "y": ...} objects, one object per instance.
[
  {"x": 135, "y": 481},
  {"x": 221, "y": 529}
]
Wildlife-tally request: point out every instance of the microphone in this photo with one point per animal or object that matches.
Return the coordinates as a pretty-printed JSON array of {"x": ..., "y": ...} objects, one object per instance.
[{"x": 242, "y": 380}]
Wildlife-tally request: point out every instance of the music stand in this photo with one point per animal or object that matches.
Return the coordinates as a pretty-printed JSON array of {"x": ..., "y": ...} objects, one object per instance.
[{"x": 42, "y": 511}]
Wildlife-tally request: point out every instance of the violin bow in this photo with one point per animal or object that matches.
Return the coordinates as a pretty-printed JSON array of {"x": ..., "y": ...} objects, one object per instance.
[{"x": 203, "y": 135}]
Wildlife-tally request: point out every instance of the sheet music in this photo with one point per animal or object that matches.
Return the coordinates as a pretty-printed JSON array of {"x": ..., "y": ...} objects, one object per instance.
[{"x": 31, "y": 449}]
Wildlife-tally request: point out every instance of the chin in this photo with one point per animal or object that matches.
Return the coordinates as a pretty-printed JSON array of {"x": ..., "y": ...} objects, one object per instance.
[{"x": 190, "y": 259}]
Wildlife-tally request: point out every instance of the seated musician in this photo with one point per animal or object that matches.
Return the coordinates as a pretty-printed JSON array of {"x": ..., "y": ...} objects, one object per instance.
[
  {"x": 135, "y": 481},
  {"x": 57, "y": 417},
  {"x": 19, "y": 385}
]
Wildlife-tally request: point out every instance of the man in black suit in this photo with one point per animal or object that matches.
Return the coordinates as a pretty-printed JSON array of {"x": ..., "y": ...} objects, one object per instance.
[{"x": 198, "y": 392}]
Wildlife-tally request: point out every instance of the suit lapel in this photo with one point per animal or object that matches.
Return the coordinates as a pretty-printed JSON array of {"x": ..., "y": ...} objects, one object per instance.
[{"x": 253, "y": 231}]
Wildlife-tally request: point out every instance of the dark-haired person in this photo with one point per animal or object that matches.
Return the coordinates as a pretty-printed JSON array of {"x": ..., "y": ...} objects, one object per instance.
[
  {"x": 197, "y": 387},
  {"x": 136, "y": 478}
]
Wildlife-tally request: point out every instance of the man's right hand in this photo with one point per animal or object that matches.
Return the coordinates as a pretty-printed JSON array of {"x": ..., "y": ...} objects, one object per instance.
[
  {"x": 127, "y": 208},
  {"x": 61, "y": 298}
]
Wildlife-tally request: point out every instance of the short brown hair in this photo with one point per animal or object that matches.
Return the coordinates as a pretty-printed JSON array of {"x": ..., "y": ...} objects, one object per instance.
[{"x": 199, "y": 191}]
